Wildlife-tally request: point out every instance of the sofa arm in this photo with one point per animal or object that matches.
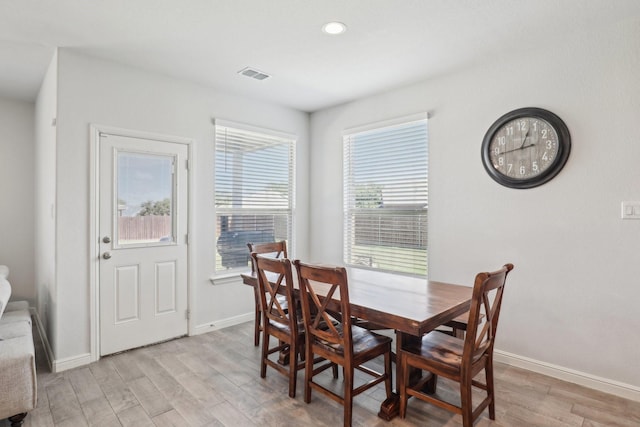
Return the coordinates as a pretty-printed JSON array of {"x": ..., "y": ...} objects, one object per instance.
[{"x": 17, "y": 376}]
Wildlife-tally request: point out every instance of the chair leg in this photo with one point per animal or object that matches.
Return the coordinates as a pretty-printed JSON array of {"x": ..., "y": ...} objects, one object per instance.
[
  {"x": 265, "y": 354},
  {"x": 348, "y": 395},
  {"x": 308, "y": 373},
  {"x": 432, "y": 385},
  {"x": 488, "y": 370},
  {"x": 465, "y": 402},
  {"x": 293, "y": 367},
  {"x": 256, "y": 322}
]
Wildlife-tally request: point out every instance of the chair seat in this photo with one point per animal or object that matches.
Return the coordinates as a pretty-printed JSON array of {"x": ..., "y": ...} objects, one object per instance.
[
  {"x": 363, "y": 341},
  {"x": 441, "y": 349},
  {"x": 285, "y": 328}
]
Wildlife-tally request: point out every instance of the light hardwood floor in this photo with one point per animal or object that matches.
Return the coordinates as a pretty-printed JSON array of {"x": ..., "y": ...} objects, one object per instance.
[{"x": 213, "y": 380}]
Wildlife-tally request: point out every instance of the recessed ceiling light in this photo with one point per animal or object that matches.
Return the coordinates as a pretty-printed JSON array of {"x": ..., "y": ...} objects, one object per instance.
[{"x": 334, "y": 28}]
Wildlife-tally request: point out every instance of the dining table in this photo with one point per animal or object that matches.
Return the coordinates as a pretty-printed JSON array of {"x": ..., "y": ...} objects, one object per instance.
[{"x": 408, "y": 305}]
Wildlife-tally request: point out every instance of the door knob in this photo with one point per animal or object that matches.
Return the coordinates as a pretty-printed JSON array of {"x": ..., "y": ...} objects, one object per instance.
[
  {"x": 106, "y": 255},
  {"x": 106, "y": 239}
]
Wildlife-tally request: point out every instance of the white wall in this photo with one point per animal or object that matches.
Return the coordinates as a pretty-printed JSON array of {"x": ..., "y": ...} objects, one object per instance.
[
  {"x": 572, "y": 300},
  {"x": 93, "y": 91},
  {"x": 16, "y": 196},
  {"x": 45, "y": 196}
]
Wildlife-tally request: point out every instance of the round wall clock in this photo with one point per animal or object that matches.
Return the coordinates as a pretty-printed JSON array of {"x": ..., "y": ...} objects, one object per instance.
[{"x": 526, "y": 148}]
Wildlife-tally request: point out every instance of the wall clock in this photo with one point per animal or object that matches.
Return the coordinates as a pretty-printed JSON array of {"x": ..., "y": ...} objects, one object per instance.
[{"x": 526, "y": 148}]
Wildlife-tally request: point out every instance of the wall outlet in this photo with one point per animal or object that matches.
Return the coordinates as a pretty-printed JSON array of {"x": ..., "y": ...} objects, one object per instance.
[{"x": 630, "y": 210}]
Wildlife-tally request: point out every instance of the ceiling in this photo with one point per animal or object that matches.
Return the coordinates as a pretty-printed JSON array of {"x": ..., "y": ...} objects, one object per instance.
[{"x": 388, "y": 43}]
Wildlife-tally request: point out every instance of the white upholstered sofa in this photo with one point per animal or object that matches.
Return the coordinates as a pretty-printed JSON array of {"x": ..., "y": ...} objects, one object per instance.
[{"x": 17, "y": 356}]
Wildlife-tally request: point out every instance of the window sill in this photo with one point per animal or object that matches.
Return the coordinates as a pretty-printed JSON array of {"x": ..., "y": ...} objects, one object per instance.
[{"x": 225, "y": 279}]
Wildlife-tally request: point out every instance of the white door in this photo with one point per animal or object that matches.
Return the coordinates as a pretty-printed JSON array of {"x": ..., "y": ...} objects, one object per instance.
[{"x": 142, "y": 240}]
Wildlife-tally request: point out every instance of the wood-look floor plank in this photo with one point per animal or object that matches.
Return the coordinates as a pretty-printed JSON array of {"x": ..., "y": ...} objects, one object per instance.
[
  {"x": 633, "y": 411},
  {"x": 104, "y": 372},
  {"x": 605, "y": 417},
  {"x": 135, "y": 417},
  {"x": 228, "y": 415},
  {"x": 98, "y": 412},
  {"x": 126, "y": 365},
  {"x": 149, "y": 396},
  {"x": 194, "y": 412},
  {"x": 171, "y": 363},
  {"x": 199, "y": 388},
  {"x": 169, "y": 419},
  {"x": 85, "y": 385},
  {"x": 39, "y": 417},
  {"x": 75, "y": 421},
  {"x": 63, "y": 402},
  {"x": 119, "y": 396},
  {"x": 167, "y": 385}
]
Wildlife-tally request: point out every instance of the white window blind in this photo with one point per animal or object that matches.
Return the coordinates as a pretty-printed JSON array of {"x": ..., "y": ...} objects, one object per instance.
[
  {"x": 386, "y": 198},
  {"x": 254, "y": 190}
]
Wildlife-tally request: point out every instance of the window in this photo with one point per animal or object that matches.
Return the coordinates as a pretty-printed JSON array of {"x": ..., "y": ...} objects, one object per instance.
[
  {"x": 385, "y": 197},
  {"x": 253, "y": 191}
]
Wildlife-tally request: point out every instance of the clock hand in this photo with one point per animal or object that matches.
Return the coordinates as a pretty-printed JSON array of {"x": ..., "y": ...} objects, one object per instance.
[
  {"x": 519, "y": 148},
  {"x": 525, "y": 138}
]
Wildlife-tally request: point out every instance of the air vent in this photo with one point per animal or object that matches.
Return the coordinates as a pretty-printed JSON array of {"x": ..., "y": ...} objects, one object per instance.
[{"x": 253, "y": 73}]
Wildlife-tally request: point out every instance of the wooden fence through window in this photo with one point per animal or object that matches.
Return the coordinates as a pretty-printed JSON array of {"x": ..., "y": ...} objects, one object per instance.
[{"x": 146, "y": 227}]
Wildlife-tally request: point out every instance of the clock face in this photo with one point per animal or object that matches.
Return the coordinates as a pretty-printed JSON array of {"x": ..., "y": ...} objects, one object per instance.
[
  {"x": 523, "y": 148},
  {"x": 526, "y": 148}
]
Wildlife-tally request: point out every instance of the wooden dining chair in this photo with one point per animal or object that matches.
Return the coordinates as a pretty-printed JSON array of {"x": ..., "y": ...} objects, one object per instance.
[
  {"x": 276, "y": 250},
  {"x": 457, "y": 359},
  {"x": 324, "y": 295},
  {"x": 277, "y": 321}
]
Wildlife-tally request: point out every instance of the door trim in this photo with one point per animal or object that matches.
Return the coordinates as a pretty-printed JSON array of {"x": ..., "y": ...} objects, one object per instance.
[{"x": 94, "y": 271}]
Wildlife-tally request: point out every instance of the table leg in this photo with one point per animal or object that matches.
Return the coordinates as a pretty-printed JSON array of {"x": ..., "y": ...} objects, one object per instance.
[{"x": 390, "y": 408}]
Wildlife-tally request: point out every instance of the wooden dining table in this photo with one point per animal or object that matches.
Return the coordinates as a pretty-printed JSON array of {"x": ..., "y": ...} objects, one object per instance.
[{"x": 410, "y": 306}]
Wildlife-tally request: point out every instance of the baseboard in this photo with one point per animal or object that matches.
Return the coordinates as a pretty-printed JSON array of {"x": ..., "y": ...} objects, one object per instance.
[
  {"x": 221, "y": 324},
  {"x": 58, "y": 365},
  {"x": 48, "y": 353},
  {"x": 605, "y": 385},
  {"x": 67, "y": 363}
]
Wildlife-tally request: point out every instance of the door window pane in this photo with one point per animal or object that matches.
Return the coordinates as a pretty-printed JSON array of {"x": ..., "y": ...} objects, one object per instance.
[{"x": 144, "y": 199}]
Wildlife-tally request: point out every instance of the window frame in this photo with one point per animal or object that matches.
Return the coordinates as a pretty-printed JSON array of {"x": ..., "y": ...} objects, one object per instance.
[
  {"x": 261, "y": 135},
  {"x": 419, "y": 265}
]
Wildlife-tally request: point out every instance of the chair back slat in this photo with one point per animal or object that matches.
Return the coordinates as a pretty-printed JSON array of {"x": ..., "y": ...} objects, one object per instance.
[{"x": 486, "y": 301}]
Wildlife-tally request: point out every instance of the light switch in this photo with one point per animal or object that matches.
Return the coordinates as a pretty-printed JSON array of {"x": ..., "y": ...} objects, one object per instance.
[{"x": 630, "y": 210}]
